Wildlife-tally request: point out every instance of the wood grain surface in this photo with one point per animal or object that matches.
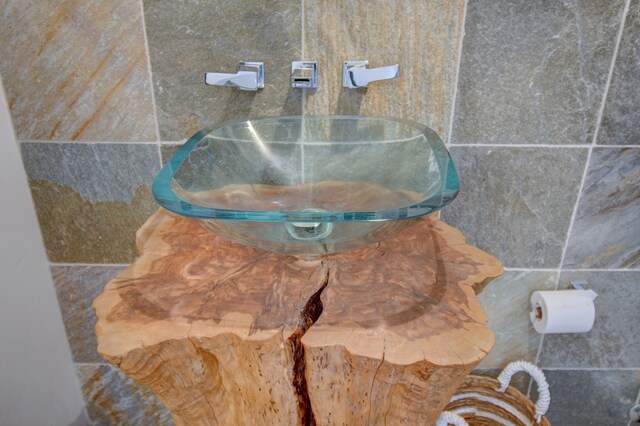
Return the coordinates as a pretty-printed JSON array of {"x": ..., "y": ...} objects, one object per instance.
[{"x": 228, "y": 334}]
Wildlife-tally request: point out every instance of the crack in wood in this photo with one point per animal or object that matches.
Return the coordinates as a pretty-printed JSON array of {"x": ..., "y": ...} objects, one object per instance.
[{"x": 308, "y": 316}]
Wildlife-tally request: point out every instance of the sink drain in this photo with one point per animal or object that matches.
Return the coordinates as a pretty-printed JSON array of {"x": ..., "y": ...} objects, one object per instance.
[{"x": 309, "y": 231}]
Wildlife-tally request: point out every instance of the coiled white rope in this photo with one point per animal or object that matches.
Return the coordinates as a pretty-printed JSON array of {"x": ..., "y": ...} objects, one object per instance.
[
  {"x": 544, "y": 397},
  {"x": 450, "y": 418}
]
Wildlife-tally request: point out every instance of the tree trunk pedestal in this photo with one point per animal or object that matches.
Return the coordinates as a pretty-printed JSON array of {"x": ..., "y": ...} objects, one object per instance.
[{"x": 229, "y": 335}]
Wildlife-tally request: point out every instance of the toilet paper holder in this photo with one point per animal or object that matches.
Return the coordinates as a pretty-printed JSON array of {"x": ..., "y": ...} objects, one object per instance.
[
  {"x": 578, "y": 285},
  {"x": 563, "y": 311}
]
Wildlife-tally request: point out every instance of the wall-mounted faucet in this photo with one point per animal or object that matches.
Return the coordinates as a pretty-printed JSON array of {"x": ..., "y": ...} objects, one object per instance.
[
  {"x": 250, "y": 76},
  {"x": 304, "y": 74},
  {"x": 355, "y": 74}
]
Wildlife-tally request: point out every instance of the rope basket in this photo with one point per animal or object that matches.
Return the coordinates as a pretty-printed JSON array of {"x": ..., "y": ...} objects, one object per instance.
[{"x": 483, "y": 401}]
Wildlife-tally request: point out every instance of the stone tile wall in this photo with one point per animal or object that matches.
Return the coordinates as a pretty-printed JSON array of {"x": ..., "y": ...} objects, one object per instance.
[
  {"x": 537, "y": 100},
  {"x": 545, "y": 132}
]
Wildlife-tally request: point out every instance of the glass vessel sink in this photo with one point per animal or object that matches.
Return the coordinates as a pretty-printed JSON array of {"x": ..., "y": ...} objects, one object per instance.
[{"x": 308, "y": 185}]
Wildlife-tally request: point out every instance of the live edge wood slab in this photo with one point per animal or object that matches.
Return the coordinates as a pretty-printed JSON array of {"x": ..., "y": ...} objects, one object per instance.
[{"x": 229, "y": 335}]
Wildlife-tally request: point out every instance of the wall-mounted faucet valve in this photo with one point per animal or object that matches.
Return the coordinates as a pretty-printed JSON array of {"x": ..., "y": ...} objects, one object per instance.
[
  {"x": 250, "y": 76},
  {"x": 304, "y": 74},
  {"x": 355, "y": 74}
]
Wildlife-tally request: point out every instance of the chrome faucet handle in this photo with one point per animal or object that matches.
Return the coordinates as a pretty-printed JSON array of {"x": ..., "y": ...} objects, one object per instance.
[
  {"x": 250, "y": 76},
  {"x": 355, "y": 74}
]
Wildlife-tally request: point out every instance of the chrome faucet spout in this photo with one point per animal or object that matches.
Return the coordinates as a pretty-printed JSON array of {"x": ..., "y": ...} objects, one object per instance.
[{"x": 250, "y": 76}]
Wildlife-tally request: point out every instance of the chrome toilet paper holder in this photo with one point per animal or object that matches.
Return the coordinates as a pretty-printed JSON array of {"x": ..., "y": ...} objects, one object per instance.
[
  {"x": 578, "y": 285},
  {"x": 568, "y": 310}
]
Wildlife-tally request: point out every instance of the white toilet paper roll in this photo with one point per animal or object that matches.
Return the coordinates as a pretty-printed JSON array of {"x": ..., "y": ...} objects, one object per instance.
[{"x": 563, "y": 311}]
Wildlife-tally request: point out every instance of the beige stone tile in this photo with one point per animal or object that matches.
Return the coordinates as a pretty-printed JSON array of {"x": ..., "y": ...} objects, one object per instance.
[
  {"x": 422, "y": 36},
  {"x": 91, "y": 198},
  {"x": 114, "y": 399},
  {"x": 506, "y": 301},
  {"x": 76, "y": 70},
  {"x": 76, "y": 287},
  {"x": 188, "y": 38},
  {"x": 606, "y": 230}
]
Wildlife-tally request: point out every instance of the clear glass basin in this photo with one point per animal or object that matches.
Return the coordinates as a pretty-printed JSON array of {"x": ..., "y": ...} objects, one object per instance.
[{"x": 308, "y": 185}]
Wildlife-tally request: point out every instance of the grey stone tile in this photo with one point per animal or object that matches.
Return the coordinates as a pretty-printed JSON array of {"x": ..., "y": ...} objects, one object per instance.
[
  {"x": 373, "y": 163},
  {"x": 114, "y": 399},
  {"x": 519, "y": 381},
  {"x": 615, "y": 338},
  {"x": 534, "y": 71},
  {"x": 506, "y": 302},
  {"x": 421, "y": 36},
  {"x": 606, "y": 230},
  {"x": 189, "y": 38},
  {"x": 516, "y": 203},
  {"x": 76, "y": 70},
  {"x": 98, "y": 172},
  {"x": 76, "y": 287},
  {"x": 590, "y": 398},
  {"x": 621, "y": 117},
  {"x": 91, "y": 198}
]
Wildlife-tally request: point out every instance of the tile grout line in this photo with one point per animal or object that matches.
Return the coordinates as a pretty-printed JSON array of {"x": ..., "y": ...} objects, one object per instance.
[
  {"x": 150, "y": 72},
  {"x": 303, "y": 95},
  {"x": 538, "y": 145},
  {"x": 59, "y": 142},
  {"x": 591, "y": 368},
  {"x": 303, "y": 52},
  {"x": 536, "y": 364},
  {"x": 91, "y": 364},
  {"x": 574, "y": 213},
  {"x": 456, "y": 76},
  {"x": 495, "y": 367},
  {"x": 492, "y": 145},
  {"x": 516, "y": 269},
  {"x": 63, "y": 264},
  {"x": 522, "y": 145},
  {"x": 523, "y": 269},
  {"x": 617, "y": 146},
  {"x": 159, "y": 147},
  {"x": 171, "y": 142},
  {"x": 600, "y": 270}
]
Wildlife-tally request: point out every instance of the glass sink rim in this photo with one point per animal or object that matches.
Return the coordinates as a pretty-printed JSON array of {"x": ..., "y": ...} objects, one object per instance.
[{"x": 165, "y": 196}]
